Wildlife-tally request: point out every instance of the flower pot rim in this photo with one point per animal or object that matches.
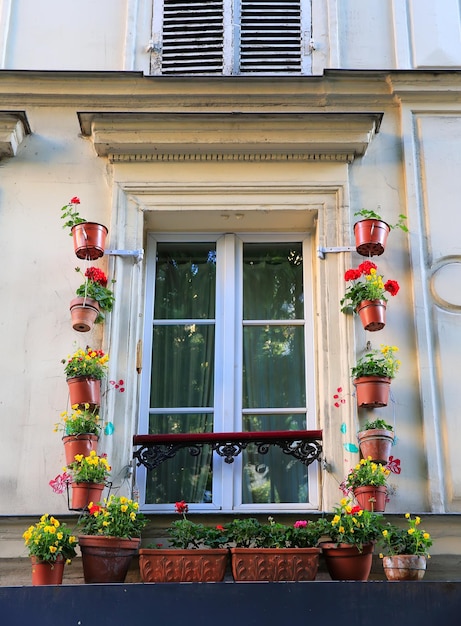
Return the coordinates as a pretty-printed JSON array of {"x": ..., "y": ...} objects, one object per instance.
[
  {"x": 333, "y": 545},
  {"x": 85, "y": 302},
  {"x": 376, "y": 432},
  {"x": 79, "y": 436},
  {"x": 311, "y": 549},
  {"x": 372, "y": 219},
  {"x": 161, "y": 551},
  {"x": 372, "y": 378},
  {"x": 82, "y": 224}
]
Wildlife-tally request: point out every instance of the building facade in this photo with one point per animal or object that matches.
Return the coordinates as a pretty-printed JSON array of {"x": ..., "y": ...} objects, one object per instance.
[{"x": 227, "y": 146}]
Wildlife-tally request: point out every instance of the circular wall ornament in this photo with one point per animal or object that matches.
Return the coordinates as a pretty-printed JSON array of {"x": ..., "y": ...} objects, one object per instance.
[{"x": 445, "y": 284}]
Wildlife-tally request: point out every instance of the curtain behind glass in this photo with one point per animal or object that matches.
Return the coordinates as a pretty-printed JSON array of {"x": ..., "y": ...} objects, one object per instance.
[{"x": 183, "y": 366}]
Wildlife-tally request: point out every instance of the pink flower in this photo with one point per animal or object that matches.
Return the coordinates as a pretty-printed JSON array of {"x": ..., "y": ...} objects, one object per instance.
[
  {"x": 301, "y": 523},
  {"x": 59, "y": 484}
]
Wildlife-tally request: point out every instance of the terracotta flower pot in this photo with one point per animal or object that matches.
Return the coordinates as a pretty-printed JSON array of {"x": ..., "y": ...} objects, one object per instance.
[
  {"x": 404, "y": 567},
  {"x": 376, "y": 443},
  {"x": 79, "y": 444},
  {"x": 106, "y": 559},
  {"x": 274, "y": 564},
  {"x": 89, "y": 240},
  {"x": 47, "y": 573},
  {"x": 346, "y": 562},
  {"x": 84, "y": 390},
  {"x": 371, "y": 498},
  {"x": 84, "y": 312},
  {"x": 371, "y": 237},
  {"x": 372, "y": 314},
  {"x": 372, "y": 391},
  {"x": 84, "y": 493},
  {"x": 172, "y": 566}
]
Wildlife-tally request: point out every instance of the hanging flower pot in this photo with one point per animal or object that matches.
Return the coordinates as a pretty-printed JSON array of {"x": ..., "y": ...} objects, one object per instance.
[
  {"x": 372, "y": 391},
  {"x": 79, "y": 444},
  {"x": 371, "y": 498},
  {"x": 372, "y": 314},
  {"x": 106, "y": 559},
  {"x": 47, "y": 572},
  {"x": 371, "y": 237},
  {"x": 345, "y": 561},
  {"x": 84, "y": 312},
  {"x": 84, "y": 390},
  {"x": 376, "y": 443},
  {"x": 89, "y": 240},
  {"x": 84, "y": 493},
  {"x": 274, "y": 564},
  {"x": 177, "y": 565}
]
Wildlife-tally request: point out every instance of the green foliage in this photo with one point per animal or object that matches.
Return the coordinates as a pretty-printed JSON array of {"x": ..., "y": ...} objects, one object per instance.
[
  {"x": 250, "y": 533},
  {"x": 118, "y": 517},
  {"x": 411, "y": 540},
  {"x": 89, "y": 362},
  {"x": 377, "y": 424},
  {"x": 365, "y": 473},
  {"x": 89, "y": 469},
  {"x": 366, "y": 284},
  {"x": 368, "y": 214},
  {"x": 353, "y": 525},
  {"x": 95, "y": 287},
  {"x": 79, "y": 421},
  {"x": 71, "y": 215},
  {"x": 381, "y": 362},
  {"x": 49, "y": 540}
]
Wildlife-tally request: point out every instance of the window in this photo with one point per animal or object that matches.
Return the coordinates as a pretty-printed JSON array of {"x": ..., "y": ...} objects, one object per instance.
[
  {"x": 228, "y": 325},
  {"x": 231, "y": 37}
]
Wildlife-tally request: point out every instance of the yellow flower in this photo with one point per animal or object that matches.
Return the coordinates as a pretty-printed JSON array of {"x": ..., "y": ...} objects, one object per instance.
[
  {"x": 72, "y": 539},
  {"x": 417, "y": 520},
  {"x": 426, "y": 536},
  {"x": 79, "y": 458},
  {"x": 59, "y": 535},
  {"x": 343, "y": 501},
  {"x": 68, "y": 561},
  {"x": 407, "y": 515},
  {"x": 341, "y": 529},
  {"x": 411, "y": 531},
  {"x": 385, "y": 533},
  {"x": 105, "y": 523},
  {"x": 132, "y": 516},
  {"x": 124, "y": 508},
  {"x": 53, "y": 549}
]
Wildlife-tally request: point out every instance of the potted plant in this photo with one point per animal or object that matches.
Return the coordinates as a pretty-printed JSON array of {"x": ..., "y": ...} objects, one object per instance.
[
  {"x": 110, "y": 537},
  {"x": 89, "y": 475},
  {"x": 94, "y": 299},
  {"x": 197, "y": 553},
  {"x": 371, "y": 232},
  {"x": 376, "y": 440},
  {"x": 367, "y": 481},
  {"x": 84, "y": 370},
  {"x": 89, "y": 237},
  {"x": 366, "y": 295},
  {"x": 407, "y": 550},
  {"x": 372, "y": 375},
  {"x": 353, "y": 532},
  {"x": 50, "y": 545},
  {"x": 81, "y": 427},
  {"x": 274, "y": 551}
]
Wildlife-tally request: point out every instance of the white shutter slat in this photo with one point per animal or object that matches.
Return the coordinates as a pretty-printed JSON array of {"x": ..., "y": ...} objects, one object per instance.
[{"x": 270, "y": 39}]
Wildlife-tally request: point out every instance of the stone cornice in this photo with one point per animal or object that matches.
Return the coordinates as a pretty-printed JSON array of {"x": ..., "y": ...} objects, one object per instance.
[
  {"x": 230, "y": 136},
  {"x": 13, "y": 128}
]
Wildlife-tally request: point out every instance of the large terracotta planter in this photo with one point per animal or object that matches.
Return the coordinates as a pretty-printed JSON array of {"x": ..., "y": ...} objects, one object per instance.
[
  {"x": 84, "y": 390},
  {"x": 376, "y": 443},
  {"x": 346, "y": 562},
  {"x": 83, "y": 312},
  {"x": 371, "y": 237},
  {"x": 371, "y": 498},
  {"x": 372, "y": 314},
  {"x": 79, "y": 444},
  {"x": 274, "y": 564},
  {"x": 404, "y": 567},
  {"x": 47, "y": 573},
  {"x": 89, "y": 240},
  {"x": 84, "y": 493},
  {"x": 173, "y": 566},
  {"x": 372, "y": 391},
  {"x": 106, "y": 559}
]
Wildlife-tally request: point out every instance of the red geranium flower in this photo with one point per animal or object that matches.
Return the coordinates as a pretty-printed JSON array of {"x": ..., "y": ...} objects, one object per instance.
[
  {"x": 392, "y": 286},
  {"x": 95, "y": 509},
  {"x": 96, "y": 275},
  {"x": 181, "y": 507},
  {"x": 365, "y": 267},
  {"x": 75, "y": 200},
  {"x": 352, "y": 274}
]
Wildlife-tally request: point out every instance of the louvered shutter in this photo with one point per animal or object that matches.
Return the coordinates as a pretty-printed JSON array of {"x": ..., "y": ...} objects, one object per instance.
[
  {"x": 192, "y": 37},
  {"x": 270, "y": 37}
]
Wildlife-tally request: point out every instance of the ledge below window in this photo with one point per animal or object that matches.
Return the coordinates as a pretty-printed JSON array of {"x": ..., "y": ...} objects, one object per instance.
[{"x": 303, "y": 445}]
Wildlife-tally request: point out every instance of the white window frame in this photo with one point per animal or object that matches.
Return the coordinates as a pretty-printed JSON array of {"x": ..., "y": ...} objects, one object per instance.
[{"x": 228, "y": 398}]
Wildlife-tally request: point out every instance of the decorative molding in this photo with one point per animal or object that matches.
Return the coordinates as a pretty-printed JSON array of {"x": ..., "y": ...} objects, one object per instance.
[
  {"x": 13, "y": 128},
  {"x": 131, "y": 137}
]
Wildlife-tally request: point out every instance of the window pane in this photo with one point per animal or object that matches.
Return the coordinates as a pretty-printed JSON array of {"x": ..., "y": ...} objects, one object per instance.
[
  {"x": 183, "y": 476},
  {"x": 273, "y": 367},
  {"x": 183, "y": 366},
  {"x": 274, "y": 477},
  {"x": 273, "y": 281},
  {"x": 185, "y": 281}
]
